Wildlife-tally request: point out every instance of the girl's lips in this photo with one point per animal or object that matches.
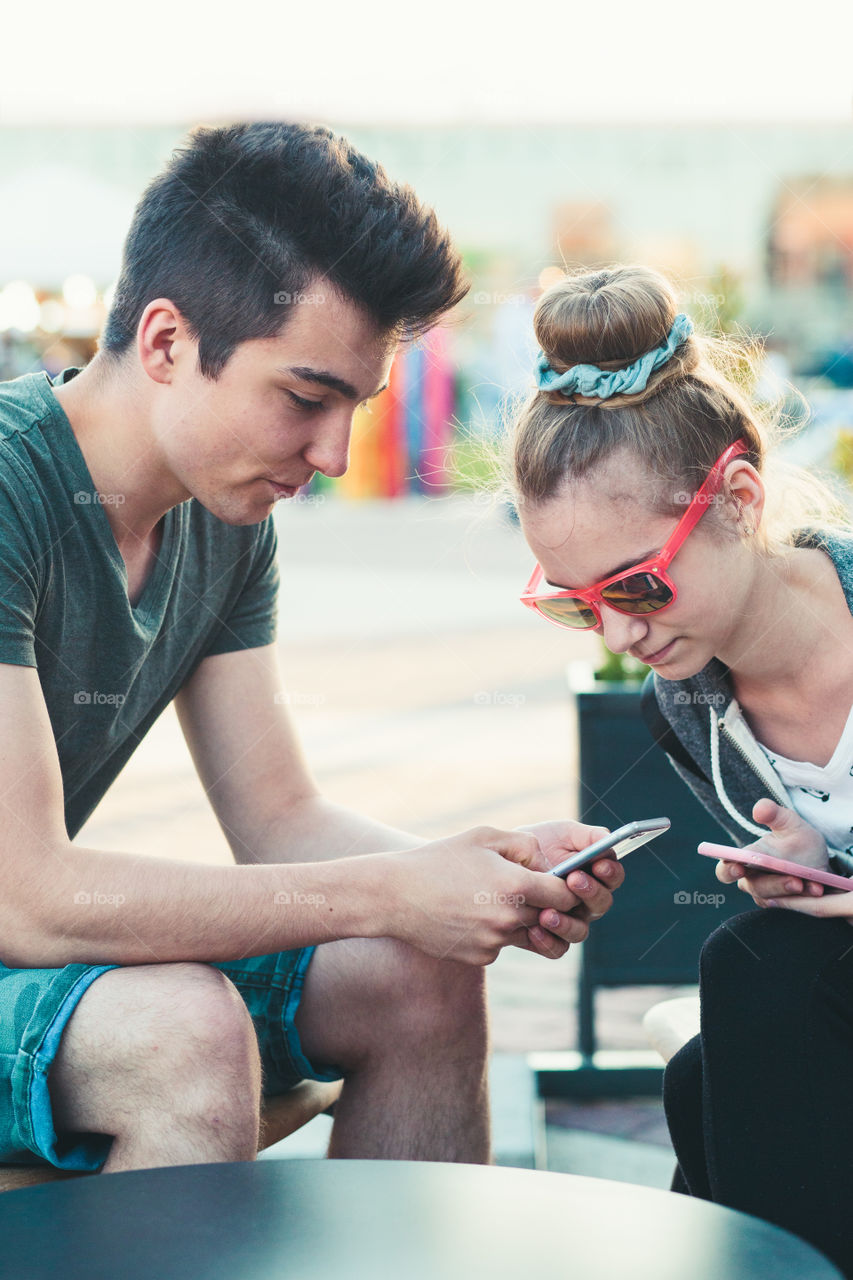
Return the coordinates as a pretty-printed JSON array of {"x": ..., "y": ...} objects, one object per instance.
[{"x": 660, "y": 656}]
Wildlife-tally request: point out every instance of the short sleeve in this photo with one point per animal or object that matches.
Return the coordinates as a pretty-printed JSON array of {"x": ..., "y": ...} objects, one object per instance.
[
  {"x": 22, "y": 566},
  {"x": 251, "y": 622}
]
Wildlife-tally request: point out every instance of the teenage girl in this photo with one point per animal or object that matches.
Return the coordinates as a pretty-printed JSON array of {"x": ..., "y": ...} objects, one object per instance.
[{"x": 660, "y": 516}]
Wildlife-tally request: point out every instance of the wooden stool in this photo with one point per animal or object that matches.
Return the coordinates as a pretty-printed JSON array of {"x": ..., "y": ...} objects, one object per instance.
[{"x": 280, "y": 1116}]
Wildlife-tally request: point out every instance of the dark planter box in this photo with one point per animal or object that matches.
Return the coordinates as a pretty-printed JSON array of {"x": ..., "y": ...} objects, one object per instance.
[{"x": 671, "y": 900}]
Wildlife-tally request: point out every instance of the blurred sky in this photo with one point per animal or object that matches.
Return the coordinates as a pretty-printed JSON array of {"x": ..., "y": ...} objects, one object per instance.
[{"x": 99, "y": 60}]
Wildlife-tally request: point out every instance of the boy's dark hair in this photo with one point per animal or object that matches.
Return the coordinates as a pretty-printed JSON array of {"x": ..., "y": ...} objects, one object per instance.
[{"x": 244, "y": 218}]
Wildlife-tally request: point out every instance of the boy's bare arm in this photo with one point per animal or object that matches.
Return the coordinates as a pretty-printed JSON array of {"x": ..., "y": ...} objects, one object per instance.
[
  {"x": 248, "y": 757},
  {"x": 60, "y": 903}
]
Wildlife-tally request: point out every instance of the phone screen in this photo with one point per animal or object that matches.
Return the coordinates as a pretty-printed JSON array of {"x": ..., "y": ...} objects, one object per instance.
[{"x": 618, "y": 843}]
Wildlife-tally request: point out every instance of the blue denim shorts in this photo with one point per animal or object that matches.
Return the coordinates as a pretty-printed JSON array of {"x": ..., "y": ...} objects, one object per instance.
[{"x": 35, "y": 1005}]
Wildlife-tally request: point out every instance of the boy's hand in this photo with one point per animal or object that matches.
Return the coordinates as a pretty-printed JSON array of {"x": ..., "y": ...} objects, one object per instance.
[
  {"x": 467, "y": 897},
  {"x": 591, "y": 887}
]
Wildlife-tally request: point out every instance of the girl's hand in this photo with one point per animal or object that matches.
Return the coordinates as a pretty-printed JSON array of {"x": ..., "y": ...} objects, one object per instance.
[
  {"x": 829, "y": 905},
  {"x": 790, "y": 837}
]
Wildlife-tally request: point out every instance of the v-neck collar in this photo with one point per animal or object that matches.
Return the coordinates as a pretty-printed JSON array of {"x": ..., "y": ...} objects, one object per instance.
[{"x": 145, "y": 608}]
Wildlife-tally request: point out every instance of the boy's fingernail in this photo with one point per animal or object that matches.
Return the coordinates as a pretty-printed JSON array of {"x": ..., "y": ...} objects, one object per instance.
[
  {"x": 552, "y": 920},
  {"x": 581, "y": 881}
]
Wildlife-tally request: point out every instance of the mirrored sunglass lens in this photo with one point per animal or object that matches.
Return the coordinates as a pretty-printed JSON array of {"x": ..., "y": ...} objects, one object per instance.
[
  {"x": 568, "y": 612},
  {"x": 638, "y": 593}
]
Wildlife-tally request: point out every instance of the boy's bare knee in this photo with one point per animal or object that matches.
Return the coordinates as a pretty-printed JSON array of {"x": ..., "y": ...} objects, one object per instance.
[
  {"x": 167, "y": 1013},
  {"x": 430, "y": 999},
  {"x": 170, "y": 1037}
]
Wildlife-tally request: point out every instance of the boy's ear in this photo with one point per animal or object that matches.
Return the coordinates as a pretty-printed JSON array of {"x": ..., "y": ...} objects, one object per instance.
[{"x": 162, "y": 337}]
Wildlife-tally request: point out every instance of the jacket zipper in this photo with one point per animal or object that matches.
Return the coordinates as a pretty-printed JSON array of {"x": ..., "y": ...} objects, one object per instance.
[{"x": 733, "y": 742}]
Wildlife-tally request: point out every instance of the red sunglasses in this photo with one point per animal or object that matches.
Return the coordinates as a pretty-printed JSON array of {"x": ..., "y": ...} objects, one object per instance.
[{"x": 646, "y": 587}]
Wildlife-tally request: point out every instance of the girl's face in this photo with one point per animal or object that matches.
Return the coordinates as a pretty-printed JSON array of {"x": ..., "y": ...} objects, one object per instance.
[{"x": 598, "y": 526}]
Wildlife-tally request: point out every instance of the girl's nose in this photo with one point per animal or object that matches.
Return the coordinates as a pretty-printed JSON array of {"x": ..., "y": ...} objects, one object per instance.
[{"x": 620, "y": 631}]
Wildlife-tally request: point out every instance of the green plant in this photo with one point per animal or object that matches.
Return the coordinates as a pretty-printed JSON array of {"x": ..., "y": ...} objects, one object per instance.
[
  {"x": 842, "y": 456},
  {"x": 619, "y": 668}
]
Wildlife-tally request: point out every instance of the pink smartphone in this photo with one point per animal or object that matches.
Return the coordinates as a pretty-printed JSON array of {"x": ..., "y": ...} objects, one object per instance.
[{"x": 752, "y": 858}]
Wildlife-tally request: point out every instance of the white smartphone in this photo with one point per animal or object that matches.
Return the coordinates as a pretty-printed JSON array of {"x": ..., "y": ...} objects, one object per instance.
[{"x": 618, "y": 844}]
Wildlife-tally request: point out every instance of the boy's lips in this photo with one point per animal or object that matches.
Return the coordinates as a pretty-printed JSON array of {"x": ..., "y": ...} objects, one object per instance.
[{"x": 287, "y": 487}]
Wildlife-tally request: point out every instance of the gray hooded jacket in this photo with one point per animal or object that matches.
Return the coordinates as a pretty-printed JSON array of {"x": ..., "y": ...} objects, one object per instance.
[{"x": 711, "y": 728}]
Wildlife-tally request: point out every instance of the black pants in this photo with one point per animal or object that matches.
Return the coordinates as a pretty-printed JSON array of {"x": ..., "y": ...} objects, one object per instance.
[{"x": 760, "y": 1104}]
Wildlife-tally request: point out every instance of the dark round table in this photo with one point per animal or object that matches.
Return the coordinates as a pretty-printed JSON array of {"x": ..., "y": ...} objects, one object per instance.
[{"x": 382, "y": 1219}]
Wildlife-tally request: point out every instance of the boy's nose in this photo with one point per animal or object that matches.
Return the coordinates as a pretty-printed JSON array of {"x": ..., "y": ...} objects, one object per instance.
[{"x": 328, "y": 451}]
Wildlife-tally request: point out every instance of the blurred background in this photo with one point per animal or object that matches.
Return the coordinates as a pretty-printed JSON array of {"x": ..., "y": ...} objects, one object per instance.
[{"x": 714, "y": 145}]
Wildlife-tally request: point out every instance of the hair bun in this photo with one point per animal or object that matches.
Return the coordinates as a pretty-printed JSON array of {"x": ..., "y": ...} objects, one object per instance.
[{"x": 607, "y": 318}]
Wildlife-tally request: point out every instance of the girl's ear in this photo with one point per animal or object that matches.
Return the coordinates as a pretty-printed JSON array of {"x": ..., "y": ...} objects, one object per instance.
[{"x": 745, "y": 489}]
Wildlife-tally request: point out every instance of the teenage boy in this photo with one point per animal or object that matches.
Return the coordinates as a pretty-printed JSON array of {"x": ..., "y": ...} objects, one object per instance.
[{"x": 269, "y": 274}]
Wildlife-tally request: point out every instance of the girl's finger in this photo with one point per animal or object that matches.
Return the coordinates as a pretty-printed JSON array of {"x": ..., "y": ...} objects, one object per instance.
[{"x": 829, "y": 905}]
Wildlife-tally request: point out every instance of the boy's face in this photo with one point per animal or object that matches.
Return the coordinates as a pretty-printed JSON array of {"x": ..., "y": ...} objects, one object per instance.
[{"x": 280, "y": 410}]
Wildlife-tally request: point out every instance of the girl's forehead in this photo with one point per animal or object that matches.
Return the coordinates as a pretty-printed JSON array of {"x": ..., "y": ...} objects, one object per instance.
[{"x": 591, "y": 530}]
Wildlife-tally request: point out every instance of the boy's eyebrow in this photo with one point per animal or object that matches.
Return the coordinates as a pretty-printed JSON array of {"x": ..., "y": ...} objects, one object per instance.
[
  {"x": 326, "y": 379},
  {"x": 629, "y": 564}
]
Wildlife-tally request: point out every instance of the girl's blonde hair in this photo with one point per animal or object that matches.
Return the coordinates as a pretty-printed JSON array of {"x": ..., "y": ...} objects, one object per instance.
[{"x": 692, "y": 408}]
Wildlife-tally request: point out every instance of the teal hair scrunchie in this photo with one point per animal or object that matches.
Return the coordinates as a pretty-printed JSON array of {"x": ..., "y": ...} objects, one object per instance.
[{"x": 589, "y": 380}]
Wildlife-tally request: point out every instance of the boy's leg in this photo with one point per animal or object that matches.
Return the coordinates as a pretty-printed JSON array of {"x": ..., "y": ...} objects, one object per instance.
[
  {"x": 410, "y": 1035},
  {"x": 164, "y": 1058}
]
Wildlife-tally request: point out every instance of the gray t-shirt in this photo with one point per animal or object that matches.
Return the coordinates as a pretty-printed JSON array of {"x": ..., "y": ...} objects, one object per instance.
[{"x": 107, "y": 669}]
